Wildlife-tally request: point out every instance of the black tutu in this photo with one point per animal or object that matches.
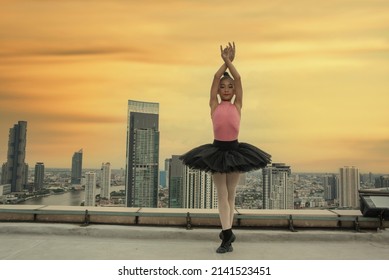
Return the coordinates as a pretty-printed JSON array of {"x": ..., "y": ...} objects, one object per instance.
[{"x": 226, "y": 157}]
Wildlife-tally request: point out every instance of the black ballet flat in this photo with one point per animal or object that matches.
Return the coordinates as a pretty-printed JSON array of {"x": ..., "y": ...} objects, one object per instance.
[
  {"x": 224, "y": 248},
  {"x": 226, "y": 245}
]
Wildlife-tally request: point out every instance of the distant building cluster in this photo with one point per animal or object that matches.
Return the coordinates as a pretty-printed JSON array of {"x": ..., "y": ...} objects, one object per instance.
[
  {"x": 178, "y": 186},
  {"x": 382, "y": 182}
]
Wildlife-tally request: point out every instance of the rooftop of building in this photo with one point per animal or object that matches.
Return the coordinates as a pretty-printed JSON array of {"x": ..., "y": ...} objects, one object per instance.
[{"x": 47, "y": 232}]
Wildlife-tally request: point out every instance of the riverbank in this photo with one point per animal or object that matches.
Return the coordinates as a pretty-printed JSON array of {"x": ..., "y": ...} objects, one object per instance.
[{"x": 72, "y": 197}]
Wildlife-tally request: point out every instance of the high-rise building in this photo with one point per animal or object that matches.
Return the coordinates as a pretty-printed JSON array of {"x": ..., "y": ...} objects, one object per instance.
[
  {"x": 15, "y": 171},
  {"x": 167, "y": 171},
  {"x": 25, "y": 180},
  {"x": 330, "y": 183},
  {"x": 199, "y": 189},
  {"x": 76, "y": 167},
  {"x": 142, "y": 156},
  {"x": 4, "y": 174},
  {"x": 176, "y": 180},
  {"x": 90, "y": 189},
  {"x": 278, "y": 192},
  {"x": 39, "y": 176},
  {"x": 105, "y": 180},
  {"x": 349, "y": 184}
]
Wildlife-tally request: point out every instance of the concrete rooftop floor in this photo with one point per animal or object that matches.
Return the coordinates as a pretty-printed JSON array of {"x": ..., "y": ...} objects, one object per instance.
[{"x": 50, "y": 241}]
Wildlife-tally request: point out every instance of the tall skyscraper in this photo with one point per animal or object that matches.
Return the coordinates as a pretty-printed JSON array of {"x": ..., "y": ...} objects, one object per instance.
[
  {"x": 330, "y": 184},
  {"x": 142, "y": 156},
  {"x": 15, "y": 171},
  {"x": 278, "y": 193},
  {"x": 76, "y": 167},
  {"x": 90, "y": 189},
  {"x": 199, "y": 190},
  {"x": 105, "y": 180},
  {"x": 39, "y": 176},
  {"x": 175, "y": 168},
  {"x": 349, "y": 184}
]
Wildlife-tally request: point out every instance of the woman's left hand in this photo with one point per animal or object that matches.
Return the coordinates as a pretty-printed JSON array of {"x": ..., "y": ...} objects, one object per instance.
[{"x": 232, "y": 51}]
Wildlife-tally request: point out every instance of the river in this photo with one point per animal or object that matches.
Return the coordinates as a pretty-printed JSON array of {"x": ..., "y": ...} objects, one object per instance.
[{"x": 71, "y": 198}]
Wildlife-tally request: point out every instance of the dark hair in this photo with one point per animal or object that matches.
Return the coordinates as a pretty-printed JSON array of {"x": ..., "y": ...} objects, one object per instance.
[{"x": 226, "y": 75}]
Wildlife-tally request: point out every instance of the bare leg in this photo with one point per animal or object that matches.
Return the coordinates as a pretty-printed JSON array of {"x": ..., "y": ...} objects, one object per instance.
[
  {"x": 226, "y": 187},
  {"x": 220, "y": 180},
  {"x": 232, "y": 182}
]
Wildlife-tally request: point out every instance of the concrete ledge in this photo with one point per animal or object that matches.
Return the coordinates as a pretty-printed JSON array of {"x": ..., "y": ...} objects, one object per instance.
[
  {"x": 20, "y": 213},
  {"x": 283, "y": 218},
  {"x": 347, "y": 219},
  {"x": 178, "y": 216}
]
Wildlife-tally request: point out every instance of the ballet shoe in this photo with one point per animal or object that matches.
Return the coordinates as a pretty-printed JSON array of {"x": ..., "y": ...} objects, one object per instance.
[
  {"x": 221, "y": 236},
  {"x": 226, "y": 246}
]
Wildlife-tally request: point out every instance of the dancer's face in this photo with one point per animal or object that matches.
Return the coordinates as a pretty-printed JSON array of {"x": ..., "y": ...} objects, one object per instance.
[{"x": 226, "y": 89}]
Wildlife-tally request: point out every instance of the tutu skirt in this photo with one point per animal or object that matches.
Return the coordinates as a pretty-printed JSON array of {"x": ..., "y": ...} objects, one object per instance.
[{"x": 226, "y": 157}]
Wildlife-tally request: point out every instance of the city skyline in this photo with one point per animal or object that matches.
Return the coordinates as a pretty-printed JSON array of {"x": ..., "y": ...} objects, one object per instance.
[{"x": 314, "y": 78}]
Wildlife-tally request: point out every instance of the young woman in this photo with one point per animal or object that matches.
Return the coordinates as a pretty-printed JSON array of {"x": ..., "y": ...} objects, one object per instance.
[{"x": 226, "y": 158}]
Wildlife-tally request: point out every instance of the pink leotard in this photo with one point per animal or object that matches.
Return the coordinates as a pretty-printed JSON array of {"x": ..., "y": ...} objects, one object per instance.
[{"x": 226, "y": 121}]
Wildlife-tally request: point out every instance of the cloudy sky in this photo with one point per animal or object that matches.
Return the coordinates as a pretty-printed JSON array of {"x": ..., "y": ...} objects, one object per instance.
[{"x": 315, "y": 77}]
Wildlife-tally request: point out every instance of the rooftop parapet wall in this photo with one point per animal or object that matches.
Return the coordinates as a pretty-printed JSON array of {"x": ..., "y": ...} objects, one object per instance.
[{"x": 244, "y": 218}]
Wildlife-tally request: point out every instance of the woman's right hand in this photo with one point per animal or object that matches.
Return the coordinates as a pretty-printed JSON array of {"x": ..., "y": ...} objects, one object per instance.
[{"x": 228, "y": 53}]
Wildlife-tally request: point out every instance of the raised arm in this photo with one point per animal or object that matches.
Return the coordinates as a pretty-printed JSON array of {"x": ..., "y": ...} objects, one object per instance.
[
  {"x": 213, "y": 101},
  {"x": 237, "y": 79}
]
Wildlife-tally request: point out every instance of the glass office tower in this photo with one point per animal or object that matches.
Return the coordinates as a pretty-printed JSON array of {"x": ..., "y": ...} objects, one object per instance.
[
  {"x": 176, "y": 182},
  {"x": 142, "y": 154},
  {"x": 15, "y": 170},
  {"x": 76, "y": 167},
  {"x": 39, "y": 176}
]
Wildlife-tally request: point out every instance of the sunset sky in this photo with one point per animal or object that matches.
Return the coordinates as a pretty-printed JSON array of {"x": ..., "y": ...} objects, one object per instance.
[{"x": 315, "y": 77}]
